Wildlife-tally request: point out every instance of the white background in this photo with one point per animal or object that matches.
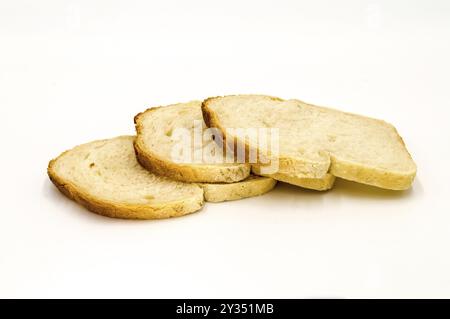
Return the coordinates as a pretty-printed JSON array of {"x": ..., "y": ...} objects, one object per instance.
[{"x": 76, "y": 71}]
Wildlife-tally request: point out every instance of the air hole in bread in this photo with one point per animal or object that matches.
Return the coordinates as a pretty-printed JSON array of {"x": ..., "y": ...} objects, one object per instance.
[
  {"x": 169, "y": 132},
  {"x": 266, "y": 123},
  {"x": 149, "y": 197}
]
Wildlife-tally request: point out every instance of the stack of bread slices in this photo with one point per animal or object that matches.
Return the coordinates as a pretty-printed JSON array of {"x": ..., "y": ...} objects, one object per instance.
[{"x": 176, "y": 161}]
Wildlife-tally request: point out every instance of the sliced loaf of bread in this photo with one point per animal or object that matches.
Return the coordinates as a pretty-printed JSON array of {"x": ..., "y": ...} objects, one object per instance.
[{"x": 156, "y": 139}]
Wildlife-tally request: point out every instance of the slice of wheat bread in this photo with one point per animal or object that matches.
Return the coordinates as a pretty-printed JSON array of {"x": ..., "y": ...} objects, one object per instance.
[
  {"x": 316, "y": 140},
  {"x": 155, "y": 143},
  {"x": 318, "y": 184},
  {"x": 249, "y": 187},
  {"x": 105, "y": 177}
]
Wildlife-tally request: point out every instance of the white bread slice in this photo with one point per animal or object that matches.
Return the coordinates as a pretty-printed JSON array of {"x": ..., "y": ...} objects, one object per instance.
[
  {"x": 316, "y": 140},
  {"x": 249, "y": 187},
  {"x": 105, "y": 177},
  {"x": 154, "y": 145},
  {"x": 318, "y": 184}
]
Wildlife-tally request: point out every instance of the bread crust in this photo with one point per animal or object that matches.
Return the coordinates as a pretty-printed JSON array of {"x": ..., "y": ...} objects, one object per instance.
[
  {"x": 317, "y": 184},
  {"x": 250, "y": 187},
  {"x": 122, "y": 210},
  {"x": 340, "y": 168},
  {"x": 190, "y": 173},
  {"x": 371, "y": 176}
]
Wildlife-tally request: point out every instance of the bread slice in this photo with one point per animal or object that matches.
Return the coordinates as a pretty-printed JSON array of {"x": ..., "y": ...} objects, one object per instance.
[
  {"x": 318, "y": 184},
  {"x": 314, "y": 141},
  {"x": 249, "y": 187},
  {"x": 155, "y": 143},
  {"x": 105, "y": 177}
]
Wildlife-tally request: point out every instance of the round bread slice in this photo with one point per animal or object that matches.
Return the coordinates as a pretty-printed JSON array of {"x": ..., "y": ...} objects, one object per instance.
[
  {"x": 157, "y": 138},
  {"x": 249, "y": 187},
  {"x": 318, "y": 184},
  {"x": 105, "y": 177}
]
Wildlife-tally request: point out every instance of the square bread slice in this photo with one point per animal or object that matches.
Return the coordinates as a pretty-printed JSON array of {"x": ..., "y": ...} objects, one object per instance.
[
  {"x": 105, "y": 177},
  {"x": 314, "y": 141}
]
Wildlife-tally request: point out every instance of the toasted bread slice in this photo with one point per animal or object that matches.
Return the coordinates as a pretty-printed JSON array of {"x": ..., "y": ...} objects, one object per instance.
[
  {"x": 105, "y": 177},
  {"x": 156, "y": 139},
  {"x": 249, "y": 187},
  {"x": 314, "y": 141},
  {"x": 318, "y": 184}
]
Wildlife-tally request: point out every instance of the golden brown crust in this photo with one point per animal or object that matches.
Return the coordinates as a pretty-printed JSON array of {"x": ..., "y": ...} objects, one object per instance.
[
  {"x": 185, "y": 173},
  {"x": 371, "y": 176},
  {"x": 250, "y": 187},
  {"x": 317, "y": 184},
  {"x": 121, "y": 210}
]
